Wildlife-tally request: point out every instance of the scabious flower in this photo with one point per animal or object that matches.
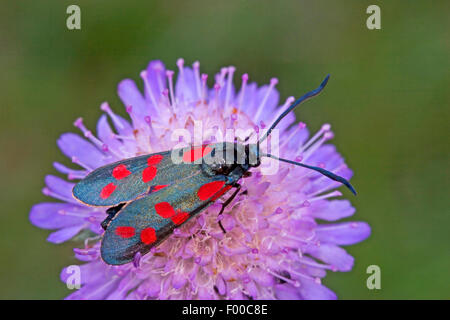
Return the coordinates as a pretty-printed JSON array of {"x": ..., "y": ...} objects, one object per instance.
[{"x": 274, "y": 247}]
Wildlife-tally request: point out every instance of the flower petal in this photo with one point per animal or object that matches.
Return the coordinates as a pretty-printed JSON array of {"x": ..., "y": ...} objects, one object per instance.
[
  {"x": 60, "y": 187},
  {"x": 65, "y": 234},
  {"x": 131, "y": 96},
  {"x": 283, "y": 124},
  {"x": 270, "y": 104},
  {"x": 344, "y": 233},
  {"x": 106, "y": 134},
  {"x": 249, "y": 100},
  {"x": 335, "y": 256},
  {"x": 310, "y": 290},
  {"x": 94, "y": 291},
  {"x": 153, "y": 285},
  {"x": 263, "y": 278},
  {"x": 298, "y": 139},
  {"x": 72, "y": 145},
  {"x": 185, "y": 87},
  {"x": 332, "y": 210},
  {"x": 287, "y": 292},
  {"x": 89, "y": 272},
  {"x": 48, "y": 215},
  {"x": 156, "y": 77}
]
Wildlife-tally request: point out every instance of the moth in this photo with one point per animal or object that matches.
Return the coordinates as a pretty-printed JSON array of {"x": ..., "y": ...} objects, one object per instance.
[{"x": 151, "y": 195}]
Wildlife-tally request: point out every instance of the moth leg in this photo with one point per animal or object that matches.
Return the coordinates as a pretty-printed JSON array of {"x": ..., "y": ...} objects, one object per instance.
[
  {"x": 226, "y": 203},
  {"x": 111, "y": 212}
]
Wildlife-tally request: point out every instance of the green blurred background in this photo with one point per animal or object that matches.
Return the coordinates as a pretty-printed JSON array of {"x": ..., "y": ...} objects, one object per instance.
[{"x": 388, "y": 102}]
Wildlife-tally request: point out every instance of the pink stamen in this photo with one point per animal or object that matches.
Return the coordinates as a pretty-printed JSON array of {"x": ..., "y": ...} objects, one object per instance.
[
  {"x": 315, "y": 264},
  {"x": 325, "y": 128},
  {"x": 242, "y": 91},
  {"x": 75, "y": 214},
  {"x": 229, "y": 85},
  {"x": 81, "y": 164},
  {"x": 273, "y": 83},
  {"x": 196, "y": 67},
  {"x": 169, "y": 74},
  {"x": 299, "y": 127},
  {"x": 335, "y": 227},
  {"x": 180, "y": 65},
  {"x": 301, "y": 274},
  {"x": 220, "y": 78},
  {"x": 158, "y": 68},
  {"x": 148, "y": 89},
  {"x": 204, "y": 80},
  {"x": 283, "y": 108},
  {"x": 148, "y": 120},
  {"x": 165, "y": 96},
  {"x": 217, "y": 88},
  {"x": 326, "y": 196},
  {"x": 50, "y": 193},
  {"x": 71, "y": 174},
  {"x": 327, "y": 136},
  {"x": 75, "y": 176},
  {"x": 284, "y": 234},
  {"x": 105, "y": 107},
  {"x": 86, "y": 252},
  {"x": 295, "y": 283},
  {"x": 88, "y": 134}
]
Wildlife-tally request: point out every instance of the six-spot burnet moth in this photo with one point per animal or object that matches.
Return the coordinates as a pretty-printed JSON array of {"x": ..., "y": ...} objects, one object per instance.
[{"x": 151, "y": 195}]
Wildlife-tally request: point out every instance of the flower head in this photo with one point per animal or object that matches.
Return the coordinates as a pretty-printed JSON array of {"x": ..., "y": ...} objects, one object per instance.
[{"x": 274, "y": 246}]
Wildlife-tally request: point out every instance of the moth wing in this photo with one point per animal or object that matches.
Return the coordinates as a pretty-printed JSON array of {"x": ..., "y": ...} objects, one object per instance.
[
  {"x": 145, "y": 222},
  {"x": 128, "y": 179}
]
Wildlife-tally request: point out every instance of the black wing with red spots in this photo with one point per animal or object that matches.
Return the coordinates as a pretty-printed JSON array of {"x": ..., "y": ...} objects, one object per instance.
[{"x": 128, "y": 179}]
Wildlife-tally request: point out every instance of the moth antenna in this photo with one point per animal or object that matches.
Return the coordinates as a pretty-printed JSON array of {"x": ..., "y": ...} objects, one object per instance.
[
  {"x": 295, "y": 104},
  {"x": 326, "y": 173},
  {"x": 248, "y": 137}
]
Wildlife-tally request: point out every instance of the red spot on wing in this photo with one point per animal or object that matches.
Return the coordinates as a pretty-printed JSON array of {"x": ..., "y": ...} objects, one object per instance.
[
  {"x": 125, "y": 232},
  {"x": 221, "y": 192},
  {"x": 107, "y": 190},
  {"x": 120, "y": 172},
  {"x": 164, "y": 209},
  {"x": 148, "y": 235},
  {"x": 196, "y": 153},
  {"x": 207, "y": 190},
  {"x": 154, "y": 160},
  {"x": 148, "y": 174},
  {"x": 159, "y": 187},
  {"x": 180, "y": 217}
]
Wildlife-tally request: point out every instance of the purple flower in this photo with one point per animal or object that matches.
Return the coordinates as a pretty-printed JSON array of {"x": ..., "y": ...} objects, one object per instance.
[{"x": 274, "y": 247}]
